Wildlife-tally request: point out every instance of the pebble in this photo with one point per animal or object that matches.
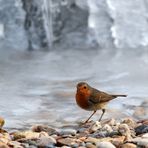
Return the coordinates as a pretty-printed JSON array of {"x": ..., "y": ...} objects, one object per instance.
[
  {"x": 100, "y": 134},
  {"x": 90, "y": 145},
  {"x": 125, "y": 131},
  {"x": 40, "y": 128},
  {"x": 107, "y": 128},
  {"x": 140, "y": 141},
  {"x": 130, "y": 122},
  {"x": 118, "y": 141},
  {"x": 95, "y": 140},
  {"x": 14, "y": 144},
  {"x": 66, "y": 141},
  {"x": 44, "y": 141},
  {"x": 104, "y": 134},
  {"x": 25, "y": 134},
  {"x": 111, "y": 122},
  {"x": 128, "y": 145},
  {"x": 68, "y": 132},
  {"x": 96, "y": 126},
  {"x": 2, "y": 122},
  {"x": 105, "y": 144},
  {"x": 3, "y": 145},
  {"x": 141, "y": 129},
  {"x": 145, "y": 135}
]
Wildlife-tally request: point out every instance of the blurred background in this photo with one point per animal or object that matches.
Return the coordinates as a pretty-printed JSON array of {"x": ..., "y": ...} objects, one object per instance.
[{"x": 48, "y": 46}]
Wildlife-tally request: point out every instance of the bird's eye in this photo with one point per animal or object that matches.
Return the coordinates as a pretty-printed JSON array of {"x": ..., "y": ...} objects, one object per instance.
[{"x": 84, "y": 87}]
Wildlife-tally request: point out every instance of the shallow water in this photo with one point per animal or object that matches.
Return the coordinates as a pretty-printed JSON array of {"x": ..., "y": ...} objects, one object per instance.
[{"x": 39, "y": 87}]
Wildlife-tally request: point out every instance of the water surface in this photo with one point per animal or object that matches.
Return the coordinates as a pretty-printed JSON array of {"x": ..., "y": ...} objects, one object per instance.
[{"x": 39, "y": 87}]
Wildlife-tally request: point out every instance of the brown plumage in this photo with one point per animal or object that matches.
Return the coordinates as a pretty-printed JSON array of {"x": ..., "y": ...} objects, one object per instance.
[{"x": 91, "y": 99}]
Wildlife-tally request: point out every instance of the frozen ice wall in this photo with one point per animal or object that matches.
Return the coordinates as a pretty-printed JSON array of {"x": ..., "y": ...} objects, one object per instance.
[
  {"x": 123, "y": 23},
  {"x": 37, "y": 24},
  {"x": 12, "y": 33},
  {"x": 100, "y": 23}
]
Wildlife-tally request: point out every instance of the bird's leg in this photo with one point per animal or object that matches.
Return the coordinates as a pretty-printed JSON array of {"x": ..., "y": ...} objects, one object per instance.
[
  {"x": 90, "y": 116},
  {"x": 103, "y": 111}
]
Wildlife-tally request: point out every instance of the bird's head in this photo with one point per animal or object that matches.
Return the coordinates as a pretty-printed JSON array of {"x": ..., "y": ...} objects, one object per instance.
[{"x": 83, "y": 88}]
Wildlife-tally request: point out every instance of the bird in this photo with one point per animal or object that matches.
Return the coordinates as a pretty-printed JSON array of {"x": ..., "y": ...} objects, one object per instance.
[{"x": 92, "y": 99}]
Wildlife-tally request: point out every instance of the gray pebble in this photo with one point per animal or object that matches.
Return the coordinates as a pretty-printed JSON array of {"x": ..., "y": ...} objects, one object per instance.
[{"x": 105, "y": 145}]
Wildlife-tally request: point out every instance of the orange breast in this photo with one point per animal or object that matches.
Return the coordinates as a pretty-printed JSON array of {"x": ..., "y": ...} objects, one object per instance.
[{"x": 82, "y": 101}]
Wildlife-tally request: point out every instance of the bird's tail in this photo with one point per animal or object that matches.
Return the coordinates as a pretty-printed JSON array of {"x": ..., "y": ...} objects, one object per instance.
[{"x": 119, "y": 96}]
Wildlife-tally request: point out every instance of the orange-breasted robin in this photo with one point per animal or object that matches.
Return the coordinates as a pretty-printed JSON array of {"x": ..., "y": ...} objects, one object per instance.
[{"x": 91, "y": 99}]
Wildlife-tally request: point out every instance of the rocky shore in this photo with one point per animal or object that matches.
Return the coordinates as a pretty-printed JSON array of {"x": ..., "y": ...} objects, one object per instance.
[{"x": 110, "y": 133}]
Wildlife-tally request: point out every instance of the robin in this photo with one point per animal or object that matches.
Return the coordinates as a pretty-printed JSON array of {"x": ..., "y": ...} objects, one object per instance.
[{"x": 91, "y": 99}]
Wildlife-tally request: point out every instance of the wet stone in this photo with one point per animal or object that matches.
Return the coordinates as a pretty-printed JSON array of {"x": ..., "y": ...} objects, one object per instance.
[
  {"x": 143, "y": 142},
  {"x": 130, "y": 122},
  {"x": 96, "y": 126},
  {"x": 141, "y": 129},
  {"x": 14, "y": 144},
  {"x": 118, "y": 141},
  {"x": 2, "y": 122},
  {"x": 68, "y": 132},
  {"x": 109, "y": 134},
  {"x": 90, "y": 145},
  {"x": 66, "y": 141},
  {"x": 128, "y": 145},
  {"x": 145, "y": 135},
  {"x": 107, "y": 128},
  {"x": 45, "y": 141},
  {"x": 105, "y": 145},
  {"x": 113, "y": 133},
  {"x": 3, "y": 145},
  {"x": 100, "y": 134},
  {"x": 40, "y": 128},
  {"x": 125, "y": 131}
]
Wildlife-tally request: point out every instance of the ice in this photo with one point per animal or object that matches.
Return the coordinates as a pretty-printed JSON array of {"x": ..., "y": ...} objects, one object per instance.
[
  {"x": 130, "y": 23},
  {"x": 100, "y": 21},
  {"x": 47, "y": 15},
  {"x": 122, "y": 22},
  {"x": 1, "y": 31}
]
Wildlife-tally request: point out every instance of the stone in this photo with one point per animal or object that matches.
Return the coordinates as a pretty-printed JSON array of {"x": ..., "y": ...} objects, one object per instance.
[
  {"x": 140, "y": 141},
  {"x": 7, "y": 136},
  {"x": 95, "y": 140},
  {"x": 96, "y": 126},
  {"x": 100, "y": 134},
  {"x": 107, "y": 128},
  {"x": 118, "y": 141},
  {"x": 66, "y": 141},
  {"x": 90, "y": 145},
  {"x": 14, "y": 144},
  {"x": 2, "y": 122},
  {"x": 140, "y": 112},
  {"x": 142, "y": 122},
  {"x": 128, "y": 145},
  {"x": 105, "y": 144},
  {"x": 130, "y": 122},
  {"x": 44, "y": 141},
  {"x": 145, "y": 122},
  {"x": 145, "y": 135},
  {"x": 4, "y": 140},
  {"x": 26, "y": 134},
  {"x": 40, "y": 128},
  {"x": 65, "y": 147},
  {"x": 68, "y": 132},
  {"x": 111, "y": 122},
  {"x": 113, "y": 133},
  {"x": 25, "y": 145},
  {"x": 125, "y": 131},
  {"x": 3, "y": 145},
  {"x": 141, "y": 129}
]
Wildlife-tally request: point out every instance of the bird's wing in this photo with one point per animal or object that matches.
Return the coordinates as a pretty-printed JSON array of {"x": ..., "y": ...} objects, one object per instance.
[{"x": 99, "y": 97}]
